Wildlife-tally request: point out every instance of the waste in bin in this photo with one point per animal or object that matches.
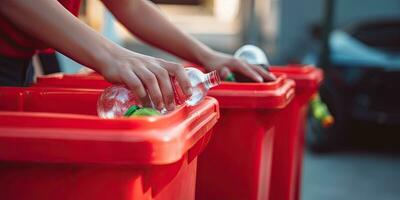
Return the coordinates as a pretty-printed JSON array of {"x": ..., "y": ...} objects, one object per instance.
[
  {"x": 287, "y": 167},
  {"x": 53, "y": 146}
]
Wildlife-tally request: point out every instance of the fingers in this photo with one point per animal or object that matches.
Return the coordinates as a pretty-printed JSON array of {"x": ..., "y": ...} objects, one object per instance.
[
  {"x": 246, "y": 70},
  {"x": 165, "y": 85},
  {"x": 134, "y": 83},
  {"x": 264, "y": 73},
  {"x": 150, "y": 81},
  {"x": 226, "y": 74},
  {"x": 181, "y": 77}
]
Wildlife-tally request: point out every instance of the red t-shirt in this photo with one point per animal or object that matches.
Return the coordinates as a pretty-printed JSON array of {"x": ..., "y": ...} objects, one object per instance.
[{"x": 18, "y": 44}]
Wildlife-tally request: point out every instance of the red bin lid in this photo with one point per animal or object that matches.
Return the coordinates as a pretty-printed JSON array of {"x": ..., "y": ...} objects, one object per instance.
[
  {"x": 269, "y": 95},
  {"x": 60, "y": 126},
  {"x": 306, "y": 76}
]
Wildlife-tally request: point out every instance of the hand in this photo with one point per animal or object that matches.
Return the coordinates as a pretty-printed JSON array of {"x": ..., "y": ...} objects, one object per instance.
[
  {"x": 147, "y": 77},
  {"x": 225, "y": 64}
]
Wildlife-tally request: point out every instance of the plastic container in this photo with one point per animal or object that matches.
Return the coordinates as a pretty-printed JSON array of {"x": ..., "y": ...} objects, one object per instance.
[
  {"x": 53, "y": 146},
  {"x": 287, "y": 167},
  {"x": 237, "y": 162},
  {"x": 117, "y": 100}
]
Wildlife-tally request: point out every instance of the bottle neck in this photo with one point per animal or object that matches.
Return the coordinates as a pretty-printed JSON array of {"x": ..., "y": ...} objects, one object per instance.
[{"x": 212, "y": 79}]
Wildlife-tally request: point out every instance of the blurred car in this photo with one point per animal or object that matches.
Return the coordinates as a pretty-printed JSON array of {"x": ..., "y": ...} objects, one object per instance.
[{"x": 362, "y": 83}]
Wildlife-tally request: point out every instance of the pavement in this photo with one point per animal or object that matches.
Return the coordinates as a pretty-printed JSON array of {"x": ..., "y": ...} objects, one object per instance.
[{"x": 351, "y": 175}]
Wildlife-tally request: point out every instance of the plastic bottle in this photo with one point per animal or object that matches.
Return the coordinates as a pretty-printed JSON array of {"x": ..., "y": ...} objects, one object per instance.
[
  {"x": 256, "y": 56},
  {"x": 116, "y": 100},
  {"x": 252, "y": 54}
]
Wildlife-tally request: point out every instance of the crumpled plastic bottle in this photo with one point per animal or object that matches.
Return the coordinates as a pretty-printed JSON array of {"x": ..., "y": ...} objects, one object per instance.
[{"x": 116, "y": 100}]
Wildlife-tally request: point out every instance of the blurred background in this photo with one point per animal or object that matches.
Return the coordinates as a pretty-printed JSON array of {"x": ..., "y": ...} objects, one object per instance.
[{"x": 356, "y": 42}]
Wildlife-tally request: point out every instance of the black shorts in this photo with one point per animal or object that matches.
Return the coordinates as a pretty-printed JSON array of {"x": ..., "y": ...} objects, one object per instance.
[{"x": 15, "y": 72}]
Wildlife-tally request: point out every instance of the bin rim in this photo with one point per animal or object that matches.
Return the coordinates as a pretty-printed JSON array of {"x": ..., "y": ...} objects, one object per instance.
[
  {"x": 305, "y": 76},
  {"x": 148, "y": 140},
  {"x": 269, "y": 95}
]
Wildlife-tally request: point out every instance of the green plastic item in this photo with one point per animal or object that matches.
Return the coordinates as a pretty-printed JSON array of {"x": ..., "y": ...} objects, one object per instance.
[
  {"x": 145, "y": 112},
  {"x": 321, "y": 112},
  {"x": 230, "y": 78},
  {"x": 131, "y": 110}
]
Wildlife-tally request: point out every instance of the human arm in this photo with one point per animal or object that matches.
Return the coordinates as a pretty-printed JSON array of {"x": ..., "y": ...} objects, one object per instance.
[
  {"x": 144, "y": 20},
  {"x": 50, "y": 22}
]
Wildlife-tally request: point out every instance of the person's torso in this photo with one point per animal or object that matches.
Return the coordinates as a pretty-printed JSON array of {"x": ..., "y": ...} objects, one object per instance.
[{"x": 19, "y": 44}]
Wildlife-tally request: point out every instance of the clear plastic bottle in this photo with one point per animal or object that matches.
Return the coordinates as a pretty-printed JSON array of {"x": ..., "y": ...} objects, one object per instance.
[
  {"x": 252, "y": 54},
  {"x": 117, "y": 99}
]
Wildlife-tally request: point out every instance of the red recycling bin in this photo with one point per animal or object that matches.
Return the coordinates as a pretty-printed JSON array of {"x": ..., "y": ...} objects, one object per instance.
[
  {"x": 287, "y": 167},
  {"x": 53, "y": 146},
  {"x": 237, "y": 162}
]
